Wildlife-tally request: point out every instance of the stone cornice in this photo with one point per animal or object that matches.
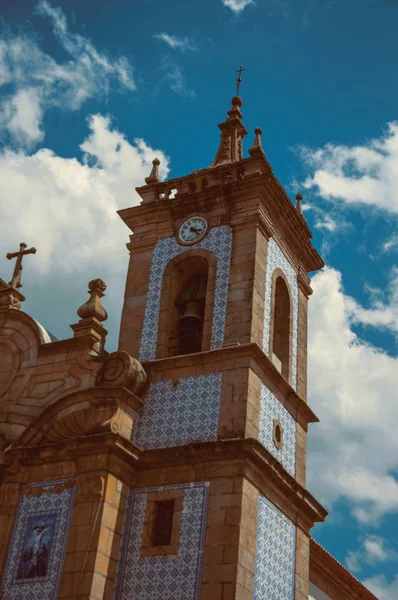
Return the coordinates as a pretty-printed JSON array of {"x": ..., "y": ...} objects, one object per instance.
[
  {"x": 249, "y": 355},
  {"x": 267, "y": 470},
  {"x": 304, "y": 282},
  {"x": 253, "y": 216},
  {"x": 204, "y": 460},
  {"x": 325, "y": 567},
  {"x": 226, "y": 186},
  {"x": 69, "y": 345}
]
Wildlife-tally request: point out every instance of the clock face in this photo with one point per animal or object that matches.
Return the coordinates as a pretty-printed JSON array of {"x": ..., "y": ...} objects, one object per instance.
[{"x": 192, "y": 230}]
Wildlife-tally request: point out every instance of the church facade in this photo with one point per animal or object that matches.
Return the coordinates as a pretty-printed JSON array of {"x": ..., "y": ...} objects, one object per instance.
[{"x": 175, "y": 467}]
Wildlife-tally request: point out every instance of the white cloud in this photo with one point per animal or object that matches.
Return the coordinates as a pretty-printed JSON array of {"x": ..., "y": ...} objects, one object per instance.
[
  {"x": 383, "y": 312},
  {"x": 237, "y": 5},
  {"x": 66, "y": 208},
  {"x": 353, "y": 561},
  {"x": 22, "y": 115},
  {"x": 38, "y": 82},
  {"x": 382, "y": 588},
  {"x": 366, "y": 174},
  {"x": 391, "y": 244},
  {"x": 175, "y": 79},
  {"x": 58, "y": 189},
  {"x": 373, "y": 550},
  {"x": 175, "y": 42},
  {"x": 353, "y": 451},
  {"x": 328, "y": 223}
]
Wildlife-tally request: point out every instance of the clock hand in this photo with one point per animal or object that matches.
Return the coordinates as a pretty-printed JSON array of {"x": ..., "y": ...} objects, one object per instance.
[{"x": 194, "y": 230}]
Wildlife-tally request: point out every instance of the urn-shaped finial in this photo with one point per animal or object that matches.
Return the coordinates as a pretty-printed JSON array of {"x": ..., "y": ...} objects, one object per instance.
[{"x": 93, "y": 307}]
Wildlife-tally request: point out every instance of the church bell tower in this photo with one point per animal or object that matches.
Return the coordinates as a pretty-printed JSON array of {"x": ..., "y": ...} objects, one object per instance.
[{"x": 215, "y": 309}]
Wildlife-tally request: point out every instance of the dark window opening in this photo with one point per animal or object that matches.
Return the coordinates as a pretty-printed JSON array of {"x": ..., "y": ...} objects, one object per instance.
[
  {"x": 281, "y": 326},
  {"x": 278, "y": 434},
  {"x": 184, "y": 323},
  {"x": 163, "y": 523},
  {"x": 191, "y": 304}
]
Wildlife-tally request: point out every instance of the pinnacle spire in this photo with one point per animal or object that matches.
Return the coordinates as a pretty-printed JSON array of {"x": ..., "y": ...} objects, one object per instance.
[
  {"x": 232, "y": 134},
  {"x": 154, "y": 174},
  {"x": 257, "y": 148},
  {"x": 299, "y": 208}
]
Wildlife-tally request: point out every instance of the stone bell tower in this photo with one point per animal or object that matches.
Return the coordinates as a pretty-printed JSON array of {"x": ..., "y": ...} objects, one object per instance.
[{"x": 216, "y": 311}]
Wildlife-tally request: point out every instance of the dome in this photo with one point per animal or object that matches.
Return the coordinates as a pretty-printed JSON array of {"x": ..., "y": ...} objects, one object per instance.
[{"x": 46, "y": 336}]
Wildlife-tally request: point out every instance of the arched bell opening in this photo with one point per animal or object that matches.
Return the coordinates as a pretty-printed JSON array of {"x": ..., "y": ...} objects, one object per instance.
[
  {"x": 187, "y": 302},
  {"x": 281, "y": 326}
]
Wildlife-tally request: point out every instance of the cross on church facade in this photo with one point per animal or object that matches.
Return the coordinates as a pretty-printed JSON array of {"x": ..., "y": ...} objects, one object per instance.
[
  {"x": 239, "y": 79},
  {"x": 16, "y": 277}
]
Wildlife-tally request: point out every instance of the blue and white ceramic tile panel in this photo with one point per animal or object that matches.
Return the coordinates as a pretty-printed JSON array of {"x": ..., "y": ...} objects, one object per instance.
[
  {"x": 270, "y": 409},
  {"x": 176, "y": 415},
  {"x": 275, "y": 554},
  {"x": 277, "y": 260},
  {"x": 36, "y": 555},
  {"x": 219, "y": 242},
  {"x": 174, "y": 577}
]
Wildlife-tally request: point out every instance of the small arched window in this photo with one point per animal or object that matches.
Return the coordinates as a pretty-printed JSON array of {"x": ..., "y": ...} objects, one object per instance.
[
  {"x": 281, "y": 327},
  {"x": 185, "y": 321}
]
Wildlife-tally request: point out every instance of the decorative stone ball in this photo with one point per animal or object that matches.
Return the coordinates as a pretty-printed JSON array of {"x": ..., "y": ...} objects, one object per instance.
[{"x": 237, "y": 101}]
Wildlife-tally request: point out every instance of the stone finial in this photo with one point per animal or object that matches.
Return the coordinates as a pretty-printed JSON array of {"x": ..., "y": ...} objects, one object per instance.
[
  {"x": 257, "y": 149},
  {"x": 154, "y": 174},
  {"x": 93, "y": 307},
  {"x": 10, "y": 297},
  {"x": 298, "y": 204},
  {"x": 232, "y": 134}
]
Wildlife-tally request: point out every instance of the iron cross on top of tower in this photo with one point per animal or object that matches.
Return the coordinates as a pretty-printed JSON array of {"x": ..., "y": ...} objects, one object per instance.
[
  {"x": 16, "y": 278},
  {"x": 239, "y": 79}
]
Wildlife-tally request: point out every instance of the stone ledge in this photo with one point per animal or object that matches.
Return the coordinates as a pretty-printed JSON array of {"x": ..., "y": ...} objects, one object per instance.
[
  {"x": 194, "y": 462},
  {"x": 266, "y": 470},
  {"x": 258, "y": 361}
]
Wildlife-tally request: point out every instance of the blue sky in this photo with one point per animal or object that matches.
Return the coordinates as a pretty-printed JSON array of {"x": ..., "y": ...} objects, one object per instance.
[{"x": 91, "y": 92}]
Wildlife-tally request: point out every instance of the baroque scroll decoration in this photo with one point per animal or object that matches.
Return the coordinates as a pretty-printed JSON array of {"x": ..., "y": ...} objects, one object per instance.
[
  {"x": 219, "y": 242},
  {"x": 120, "y": 369},
  {"x": 35, "y": 560},
  {"x": 174, "y": 577}
]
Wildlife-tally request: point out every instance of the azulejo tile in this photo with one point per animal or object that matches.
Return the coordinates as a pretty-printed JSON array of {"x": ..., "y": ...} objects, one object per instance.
[
  {"x": 219, "y": 242},
  {"x": 275, "y": 554},
  {"x": 270, "y": 409},
  {"x": 176, "y": 415},
  {"x": 277, "y": 260},
  {"x": 37, "y": 548},
  {"x": 172, "y": 577}
]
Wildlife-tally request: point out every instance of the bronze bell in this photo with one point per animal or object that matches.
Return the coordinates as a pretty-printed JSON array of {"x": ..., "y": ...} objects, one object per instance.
[{"x": 192, "y": 311}]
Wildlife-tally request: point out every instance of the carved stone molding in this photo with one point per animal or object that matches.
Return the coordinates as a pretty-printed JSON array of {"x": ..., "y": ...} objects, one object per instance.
[
  {"x": 85, "y": 412},
  {"x": 89, "y": 485},
  {"x": 57, "y": 488},
  {"x": 120, "y": 369},
  {"x": 10, "y": 298},
  {"x": 100, "y": 414}
]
